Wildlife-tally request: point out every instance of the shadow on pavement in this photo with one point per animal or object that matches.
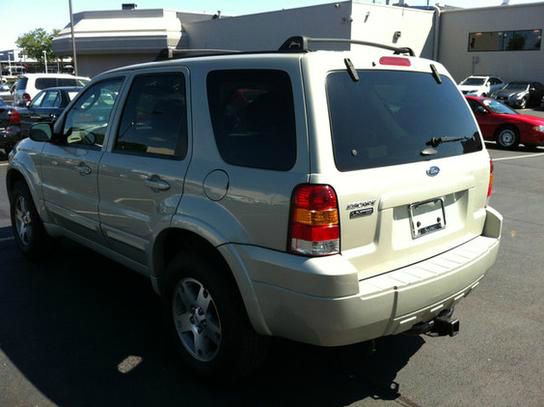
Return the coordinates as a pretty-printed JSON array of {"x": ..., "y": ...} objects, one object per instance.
[{"x": 85, "y": 331}]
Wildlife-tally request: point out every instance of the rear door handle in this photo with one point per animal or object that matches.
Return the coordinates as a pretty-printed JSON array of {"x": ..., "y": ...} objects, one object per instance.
[
  {"x": 83, "y": 169},
  {"x": 157, "y": 184}
]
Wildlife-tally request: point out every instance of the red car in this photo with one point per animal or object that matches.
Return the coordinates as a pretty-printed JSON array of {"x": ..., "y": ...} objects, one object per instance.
[{"x": 505, "y": 126}]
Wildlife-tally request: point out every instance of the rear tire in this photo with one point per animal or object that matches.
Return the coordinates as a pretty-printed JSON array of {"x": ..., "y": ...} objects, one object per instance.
[
  {"x": 208, "y": 321},
  {"x": 507, "y": 137},
  {"x": 28, "y": 229}
]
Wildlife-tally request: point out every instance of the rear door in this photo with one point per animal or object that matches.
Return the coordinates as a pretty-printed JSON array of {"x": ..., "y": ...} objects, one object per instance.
[
  {"x": 403, "y": 196},
  {"x": 142, "y": 173}
]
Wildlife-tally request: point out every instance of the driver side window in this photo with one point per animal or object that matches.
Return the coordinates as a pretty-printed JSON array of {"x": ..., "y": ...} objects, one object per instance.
[{"x": 87, "y": 122}]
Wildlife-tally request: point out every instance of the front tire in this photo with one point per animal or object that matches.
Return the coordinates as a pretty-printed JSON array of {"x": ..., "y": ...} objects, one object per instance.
[
  {"x": 508, "y": 137},
  {"x": 208, "y": 321},
  {"x": 28, "y": 229}
]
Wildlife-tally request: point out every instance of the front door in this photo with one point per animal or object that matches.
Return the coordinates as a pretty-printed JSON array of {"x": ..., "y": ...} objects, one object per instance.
[
  {"x": 142, "y": 173},
  {"x": 69, "y": 165}
]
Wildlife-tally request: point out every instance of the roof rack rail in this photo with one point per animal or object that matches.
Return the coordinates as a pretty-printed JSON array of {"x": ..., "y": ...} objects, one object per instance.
[
  {"x": 176, "y": 53},
  {"x": 299, "y": 43}
]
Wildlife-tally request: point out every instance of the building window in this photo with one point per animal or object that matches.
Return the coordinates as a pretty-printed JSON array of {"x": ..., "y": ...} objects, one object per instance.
[{"x": 522, "y": 40}]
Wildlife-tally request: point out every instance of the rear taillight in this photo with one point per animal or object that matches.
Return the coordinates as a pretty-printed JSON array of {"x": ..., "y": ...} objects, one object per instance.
[
  {"x": 26, "y": 98},
  {"x": 490, "y": 187},
  {"x": 314, "y": 229},
  {"x": 14, "y": 117}
]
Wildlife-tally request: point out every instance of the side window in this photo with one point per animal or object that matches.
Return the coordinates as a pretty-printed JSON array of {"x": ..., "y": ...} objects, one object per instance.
[
  {"x": 52, "y": 99},
  {"x": 253, "y": 118},
  {"x": 154, "y": 120},
  {"x": 86, "y": 123},
  {"x": 475, "y": 106},
  {"x": 38, "y": 99}
]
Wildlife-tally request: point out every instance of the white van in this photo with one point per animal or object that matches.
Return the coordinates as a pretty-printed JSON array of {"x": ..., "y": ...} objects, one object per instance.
[{"x": 28, "y": 85}]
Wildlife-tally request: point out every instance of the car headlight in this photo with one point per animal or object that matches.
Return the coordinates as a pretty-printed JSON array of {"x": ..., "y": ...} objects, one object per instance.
[{"x": 540, "y": 128}]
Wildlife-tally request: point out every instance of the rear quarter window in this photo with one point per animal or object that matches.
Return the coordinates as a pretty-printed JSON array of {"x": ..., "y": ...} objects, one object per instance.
[
  {"x": 388, "y": 118},
  {"x": 253, "y": 118},
  {"x": 44, "y": 83}
]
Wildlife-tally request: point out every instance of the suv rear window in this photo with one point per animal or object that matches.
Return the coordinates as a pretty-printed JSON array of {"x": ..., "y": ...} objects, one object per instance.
[
  {"x": 388, "y": 117},
  {"x": 253, "y": 118},
  {"x": 21, "y": 84}
]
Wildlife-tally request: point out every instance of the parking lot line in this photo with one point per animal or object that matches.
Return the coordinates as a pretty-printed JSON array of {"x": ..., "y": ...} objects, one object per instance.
[
  {"x": 5, "y": 239},
  {"x": 518, "y": 156}
]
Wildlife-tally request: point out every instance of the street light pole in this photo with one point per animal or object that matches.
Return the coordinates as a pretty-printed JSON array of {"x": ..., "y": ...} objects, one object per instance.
[
  {"x": 74, "y": 57},
  {"x": 45, "y": 60}
]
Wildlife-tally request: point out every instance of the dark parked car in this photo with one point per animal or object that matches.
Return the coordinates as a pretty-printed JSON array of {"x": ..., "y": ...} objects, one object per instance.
[
  {"x": 509, "y": 128},
  {"x": 46, "y": 106},
  {"x": 10, "y": 128},
  {"x": 15, "y": 122},
  {"x": 520, "y": 94}
]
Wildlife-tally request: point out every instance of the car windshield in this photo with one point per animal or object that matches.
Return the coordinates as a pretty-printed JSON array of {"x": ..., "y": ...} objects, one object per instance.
[
  {"x": 388, "y": 118},
  {"x": 498, "y": 107},
  {"x": 517, "y": 85},
  {"x": 473, "y": 81}
]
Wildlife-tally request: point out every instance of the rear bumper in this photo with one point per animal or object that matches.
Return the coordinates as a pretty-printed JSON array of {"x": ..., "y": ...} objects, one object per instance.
[
  {"x": 9, "y": 136},
  {"x": 383, "y": 305}
]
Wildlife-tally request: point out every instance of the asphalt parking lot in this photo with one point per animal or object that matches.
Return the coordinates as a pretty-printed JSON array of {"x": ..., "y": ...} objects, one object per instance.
[{"x": 79, "y": 330}]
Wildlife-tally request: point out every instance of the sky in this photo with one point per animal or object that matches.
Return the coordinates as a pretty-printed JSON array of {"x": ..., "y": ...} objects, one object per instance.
[{"x": 50, "y": 14}]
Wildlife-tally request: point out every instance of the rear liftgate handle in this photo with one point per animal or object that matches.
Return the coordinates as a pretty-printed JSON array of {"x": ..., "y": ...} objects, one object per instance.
[{"x": 157, "y": 184}]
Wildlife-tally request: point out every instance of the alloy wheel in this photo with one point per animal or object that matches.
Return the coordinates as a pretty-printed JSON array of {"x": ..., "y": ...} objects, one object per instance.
[
  {"x": 23, "y": 221},
  {"x": 507, "y": 138},
  {"x": 196, "y": 319}
]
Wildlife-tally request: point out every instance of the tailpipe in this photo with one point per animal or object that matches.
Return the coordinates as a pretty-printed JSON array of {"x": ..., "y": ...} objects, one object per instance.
[{"x": 442, "y": 325}]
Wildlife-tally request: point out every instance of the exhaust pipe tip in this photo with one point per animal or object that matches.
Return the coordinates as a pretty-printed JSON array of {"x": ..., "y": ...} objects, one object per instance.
[{"x": 442, "y": 325}]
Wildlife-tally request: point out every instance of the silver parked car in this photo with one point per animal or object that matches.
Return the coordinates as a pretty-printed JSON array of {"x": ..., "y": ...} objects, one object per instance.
[{"x": 295, "y": 194}]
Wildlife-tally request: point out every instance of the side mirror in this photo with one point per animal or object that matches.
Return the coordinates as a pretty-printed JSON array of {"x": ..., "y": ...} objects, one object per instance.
[
  {"x": 532, "y": 89},
  {"x": 42, "y": 132},
  {"x": 481, "y": 110}
]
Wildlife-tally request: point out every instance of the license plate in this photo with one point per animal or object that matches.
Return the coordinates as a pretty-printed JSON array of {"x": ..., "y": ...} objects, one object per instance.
[{"x": 427, "y": 217}]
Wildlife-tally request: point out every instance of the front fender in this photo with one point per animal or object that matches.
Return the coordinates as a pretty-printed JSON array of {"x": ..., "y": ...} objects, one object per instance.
[{"x": 23, "y": 160}]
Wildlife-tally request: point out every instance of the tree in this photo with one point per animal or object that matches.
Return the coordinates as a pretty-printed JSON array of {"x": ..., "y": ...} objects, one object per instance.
[{"x": 35, "y": 42}]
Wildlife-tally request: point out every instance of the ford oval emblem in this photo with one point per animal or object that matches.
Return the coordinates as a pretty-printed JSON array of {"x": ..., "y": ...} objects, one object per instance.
[{"x": 433, "y": 171}]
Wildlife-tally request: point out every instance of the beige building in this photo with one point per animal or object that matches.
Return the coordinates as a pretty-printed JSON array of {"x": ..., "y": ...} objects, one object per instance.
[{"x": 503, "y": 41}]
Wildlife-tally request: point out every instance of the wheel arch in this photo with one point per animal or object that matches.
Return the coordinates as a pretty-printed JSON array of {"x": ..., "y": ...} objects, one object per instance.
[
  {"x": 14, "y": 175},
  {"x": 172, "y": 240}
]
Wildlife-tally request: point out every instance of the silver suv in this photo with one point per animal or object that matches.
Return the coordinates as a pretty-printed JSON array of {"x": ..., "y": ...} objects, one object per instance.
[{"x": 328, "y": 197}]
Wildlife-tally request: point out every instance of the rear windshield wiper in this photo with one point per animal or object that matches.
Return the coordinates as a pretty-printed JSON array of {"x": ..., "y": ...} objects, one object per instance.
[{"x": 436, "y": 141}]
